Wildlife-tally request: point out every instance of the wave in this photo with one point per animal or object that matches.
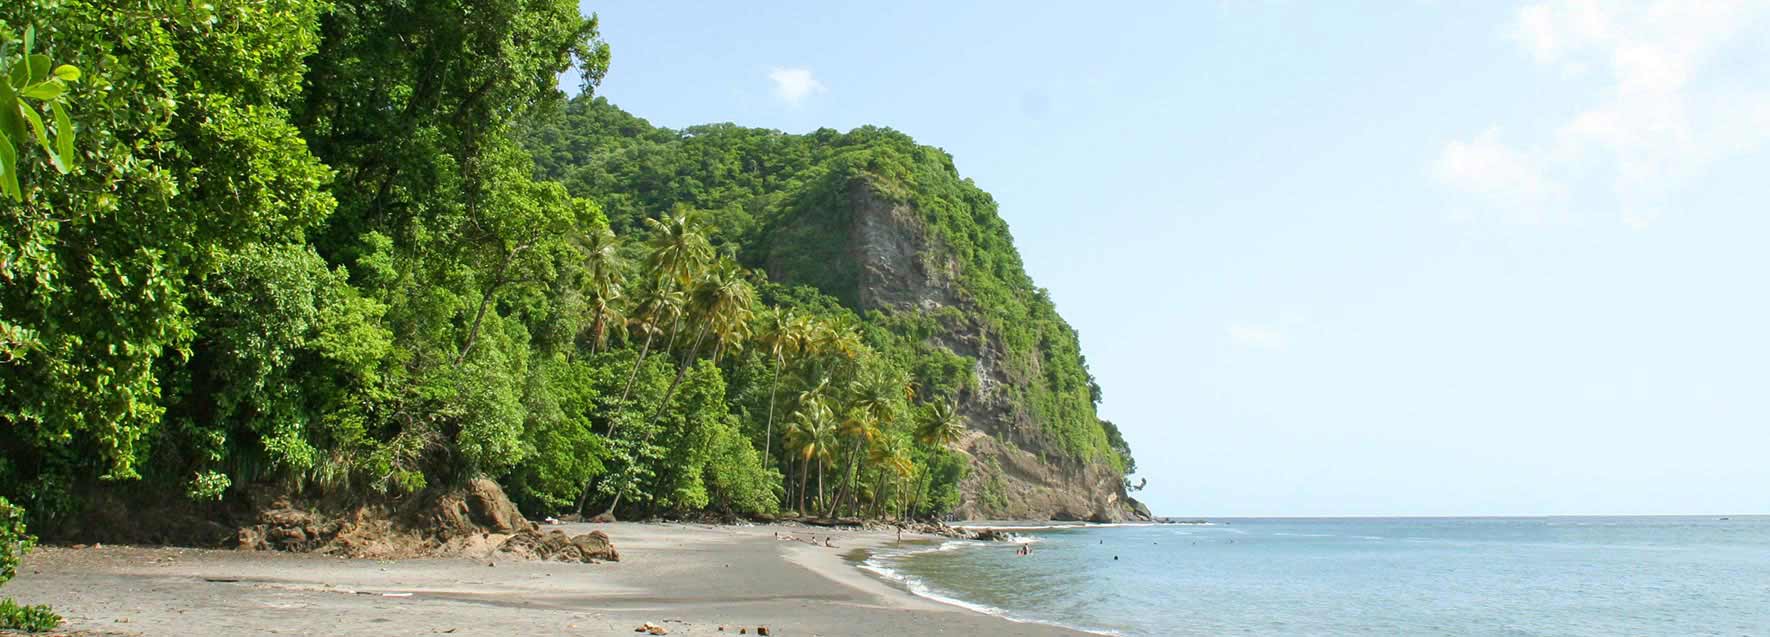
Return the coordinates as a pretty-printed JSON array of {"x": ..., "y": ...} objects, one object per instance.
[
  {"x": 877, "y": 563},
  {"x": 1060, "y": 526}
]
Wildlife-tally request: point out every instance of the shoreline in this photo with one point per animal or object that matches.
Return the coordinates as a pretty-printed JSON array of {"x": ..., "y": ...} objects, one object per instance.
[{"x": 692, "y": 579}]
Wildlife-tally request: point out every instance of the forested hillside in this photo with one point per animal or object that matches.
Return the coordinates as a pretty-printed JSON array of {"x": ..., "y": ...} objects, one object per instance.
[{"x": 365, "y": 250}]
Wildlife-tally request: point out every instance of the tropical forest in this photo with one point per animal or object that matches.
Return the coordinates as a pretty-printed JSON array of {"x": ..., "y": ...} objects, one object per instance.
[{"x": 368, "y": 250}]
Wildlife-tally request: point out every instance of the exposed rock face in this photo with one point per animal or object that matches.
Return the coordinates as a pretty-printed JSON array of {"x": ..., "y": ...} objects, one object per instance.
[{"x": 898, "y": 267}]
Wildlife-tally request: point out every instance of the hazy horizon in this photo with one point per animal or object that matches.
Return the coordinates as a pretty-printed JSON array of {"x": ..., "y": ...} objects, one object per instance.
[{"x": 1416, "y": 259}]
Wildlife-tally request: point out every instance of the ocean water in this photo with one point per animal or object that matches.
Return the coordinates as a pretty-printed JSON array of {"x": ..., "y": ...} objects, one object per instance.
[{"x": 1572, "y": 576}]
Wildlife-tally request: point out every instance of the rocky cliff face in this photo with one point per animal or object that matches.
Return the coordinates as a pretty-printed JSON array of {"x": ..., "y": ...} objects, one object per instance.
[{"x": 895, "y": 265}]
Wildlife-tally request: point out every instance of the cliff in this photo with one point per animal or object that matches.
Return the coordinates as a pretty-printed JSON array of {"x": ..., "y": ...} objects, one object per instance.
[
  {"x": 890, "y": 229},
  {"x": 881, "y": 252}
]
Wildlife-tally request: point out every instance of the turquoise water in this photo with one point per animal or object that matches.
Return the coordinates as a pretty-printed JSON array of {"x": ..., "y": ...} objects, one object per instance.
[{"x": 1575, "y": 576}]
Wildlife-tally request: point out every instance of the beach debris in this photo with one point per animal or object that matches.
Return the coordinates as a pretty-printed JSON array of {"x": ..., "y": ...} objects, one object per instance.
[
  {"x": 652, "y": 629},
  {"x": 743, "y": 631},
  {"x": 762, "y": 630},
  {"x": 552, "y": 520},
  {"x": 396, "y": 594}
]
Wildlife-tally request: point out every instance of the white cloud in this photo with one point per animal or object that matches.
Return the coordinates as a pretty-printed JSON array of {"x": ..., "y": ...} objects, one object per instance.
[
  {"x": 1645, "y": 132},
  {"x": 1258, "y": 336},
  {"x": 793, "y": 85},
  {"x": 1487, "y": 166}
]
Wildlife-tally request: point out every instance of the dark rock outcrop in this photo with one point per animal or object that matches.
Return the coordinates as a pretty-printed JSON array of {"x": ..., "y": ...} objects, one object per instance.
[{"x": 895, "y": 266}]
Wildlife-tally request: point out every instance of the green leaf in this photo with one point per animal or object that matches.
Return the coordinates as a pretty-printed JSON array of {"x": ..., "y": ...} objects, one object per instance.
[
  {"x": 44, "y": 91},
  {"x": 37, "y": 127},
  {"x": 9, "y": 171},
  {"x": 20, "y": 75},
  {"x": 39, "y": 67},
  {"x": 30, "y": 38},
  {"x": 11, "y": 128},
  {"x": 67, "y": 73},
  {"x": 64, "y": 136}
]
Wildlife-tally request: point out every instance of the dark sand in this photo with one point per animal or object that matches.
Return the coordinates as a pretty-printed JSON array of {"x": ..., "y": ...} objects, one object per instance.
[{"x": 691, "y": 579}]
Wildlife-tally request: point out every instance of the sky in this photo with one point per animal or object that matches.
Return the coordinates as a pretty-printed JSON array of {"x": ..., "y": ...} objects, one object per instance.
[{"x": 1378, "y": 258}]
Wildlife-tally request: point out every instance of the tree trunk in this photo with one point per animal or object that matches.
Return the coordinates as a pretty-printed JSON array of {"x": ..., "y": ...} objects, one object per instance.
[
  {"x": 626, "y": 391},
  {"x": 680, "y": 373},
  {"x": 804, "y": 467},
  {"x": 768, "y": 434}
]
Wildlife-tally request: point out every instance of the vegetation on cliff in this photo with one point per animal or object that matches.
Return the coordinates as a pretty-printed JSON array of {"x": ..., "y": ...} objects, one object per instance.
[{"x": 367, "y": 247}]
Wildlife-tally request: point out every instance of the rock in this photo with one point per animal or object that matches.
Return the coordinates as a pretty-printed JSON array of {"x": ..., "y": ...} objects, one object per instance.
[
  {"x": 595, "y": 545},
  {"x": 881, "y": 254},
  {"x": 251, "y": 538},
  {"x": 603, "y": 518},
  {"x": 493, "y": 510},
  {"x": 652, "y": 629},
  {"x": 591, "y": 547},
  {"x": 762, "y": 630}
]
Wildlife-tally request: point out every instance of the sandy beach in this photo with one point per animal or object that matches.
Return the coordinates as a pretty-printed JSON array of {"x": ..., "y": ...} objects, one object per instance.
[{"x": 691, "y": 579}]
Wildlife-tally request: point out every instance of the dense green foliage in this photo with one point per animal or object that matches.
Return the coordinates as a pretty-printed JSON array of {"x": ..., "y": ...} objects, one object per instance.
[
  {"x": 367, "y": 247},
  {"x": 14, "y": 543},
  {"x": 776, "y": 199}
]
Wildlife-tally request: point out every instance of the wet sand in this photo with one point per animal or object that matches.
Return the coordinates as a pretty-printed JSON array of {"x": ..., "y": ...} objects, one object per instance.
[{"x": 691, "y": 579}]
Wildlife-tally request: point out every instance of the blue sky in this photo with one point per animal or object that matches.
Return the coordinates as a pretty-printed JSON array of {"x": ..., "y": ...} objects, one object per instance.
[{"x": 1410, "y": 258}]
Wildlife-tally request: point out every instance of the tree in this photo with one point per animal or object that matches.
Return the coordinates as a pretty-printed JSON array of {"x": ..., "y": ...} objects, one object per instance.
[
  {"x": 810, "y": 438},
  {"x": 941, "y": 427},
  {"x": 602, "y": 264}
]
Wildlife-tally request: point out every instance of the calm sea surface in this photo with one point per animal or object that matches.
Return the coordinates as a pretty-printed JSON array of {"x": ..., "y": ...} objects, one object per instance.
[{"x": 1598, "y": 576}]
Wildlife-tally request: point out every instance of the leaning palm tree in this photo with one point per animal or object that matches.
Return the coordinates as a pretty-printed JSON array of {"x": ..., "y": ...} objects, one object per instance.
[
  {"x": 661, "y": 305},
  {"x": 724, "y": 299}
]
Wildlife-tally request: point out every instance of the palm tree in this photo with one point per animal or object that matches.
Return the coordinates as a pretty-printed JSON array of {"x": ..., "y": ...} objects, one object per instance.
[
  {"x": 941, "y": 428},
  {"x": 873, "y": 404},
  {"x": 661, "y": 304},
  {"x": 810, "y": 438},
  {"x": 602, "y": 262},
  {"x": 891, "y": 458},
  {"x": 678, "y": 248},
  {"x": 858, "y": 429},
  {"x": 781, "y": 336},
  {"x": 724, "y": 299}
]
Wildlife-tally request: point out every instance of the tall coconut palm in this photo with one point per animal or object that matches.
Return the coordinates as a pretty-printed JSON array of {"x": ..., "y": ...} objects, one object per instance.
[
  {"x": 941, "y": 427},
  {"x": 723, "y": 299},
  {"x": 857, "y": 431},
  {"x": 602, "y": 264},
  {"x": 780, "y": 337},
  {"x": 890, "y": 459},
  {"x": 678, "y": 248},
  {"x": 661, "y": 305},
  {"x": 810, "y": 438}
]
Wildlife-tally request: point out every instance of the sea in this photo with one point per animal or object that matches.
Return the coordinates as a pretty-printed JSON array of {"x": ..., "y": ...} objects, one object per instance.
[{"x": 1549, "y": 576}]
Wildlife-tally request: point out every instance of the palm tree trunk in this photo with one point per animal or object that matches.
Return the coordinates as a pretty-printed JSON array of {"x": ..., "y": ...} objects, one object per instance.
[
  {"x": 626, "y": 391},
  {"x": 680, "y": 373},
  {"x": 768, "y": 434},
  {"x": 803, "y": 483}
]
